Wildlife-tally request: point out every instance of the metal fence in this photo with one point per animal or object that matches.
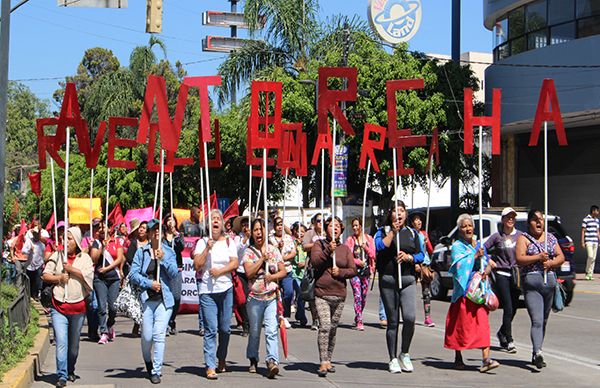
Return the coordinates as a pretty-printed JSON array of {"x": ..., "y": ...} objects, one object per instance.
[{"x": 19, "y": 309}]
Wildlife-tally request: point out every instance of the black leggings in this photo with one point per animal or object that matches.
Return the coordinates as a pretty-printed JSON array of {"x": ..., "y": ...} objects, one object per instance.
[
  {"x": 395, "y": 299},
  {"x": 508, "y": 295}
]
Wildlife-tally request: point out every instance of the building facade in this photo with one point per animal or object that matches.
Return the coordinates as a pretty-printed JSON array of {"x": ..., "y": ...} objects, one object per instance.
[{"x": 533, "y": 40}]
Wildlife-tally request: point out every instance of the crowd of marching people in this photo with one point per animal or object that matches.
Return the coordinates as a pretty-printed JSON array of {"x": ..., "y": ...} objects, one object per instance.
[{"x": 267, "y": 278}]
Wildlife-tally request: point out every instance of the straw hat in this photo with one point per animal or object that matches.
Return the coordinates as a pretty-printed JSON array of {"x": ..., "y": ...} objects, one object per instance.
[
  {"x": 134, "y": 224},
  {"x": 237, "y": 223}
]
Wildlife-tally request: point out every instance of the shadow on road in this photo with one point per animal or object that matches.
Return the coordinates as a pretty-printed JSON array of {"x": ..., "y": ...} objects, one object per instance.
[
  {"x": 307, "y": 367},
  {"x": 370, "y": 365},
  {"x": 122, "y": 373}
]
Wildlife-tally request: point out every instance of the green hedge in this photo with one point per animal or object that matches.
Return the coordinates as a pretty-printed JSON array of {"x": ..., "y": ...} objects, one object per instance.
[{"x": 14, "y": 347}]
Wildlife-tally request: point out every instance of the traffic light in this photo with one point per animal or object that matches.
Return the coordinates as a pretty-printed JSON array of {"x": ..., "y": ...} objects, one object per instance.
[{"x": 154, "y": 9}]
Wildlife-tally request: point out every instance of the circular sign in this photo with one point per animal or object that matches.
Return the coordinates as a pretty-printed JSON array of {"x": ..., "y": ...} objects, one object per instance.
[{"x": 395, "y": 21}]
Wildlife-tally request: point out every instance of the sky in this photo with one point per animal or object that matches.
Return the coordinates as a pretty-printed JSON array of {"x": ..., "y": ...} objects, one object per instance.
[{"x": 48, "y": 42}]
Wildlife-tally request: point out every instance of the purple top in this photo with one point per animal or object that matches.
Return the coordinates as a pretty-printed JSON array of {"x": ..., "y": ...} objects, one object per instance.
[
  {"x": 535, "y": 247},
  {"x": 502, "y": 247}
]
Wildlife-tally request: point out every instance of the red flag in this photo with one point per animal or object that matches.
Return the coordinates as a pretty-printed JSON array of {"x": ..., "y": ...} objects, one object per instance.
[
  {"x": 50, "y": 223},
  {"x": 232, "y": 211},
  {"x": 213, "y": 204},
  {"x": 35, "y": 182},
  {"x": 116, "y": 215}
]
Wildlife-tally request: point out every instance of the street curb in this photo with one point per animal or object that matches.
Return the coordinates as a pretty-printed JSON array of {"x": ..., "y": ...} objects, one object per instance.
[{"x": 23, "y": 374}]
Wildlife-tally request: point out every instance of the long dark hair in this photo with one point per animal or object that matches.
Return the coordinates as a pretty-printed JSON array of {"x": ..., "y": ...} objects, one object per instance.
[
  {"x": 388, "y": 219},
  {"x": 262, "y": 225}
]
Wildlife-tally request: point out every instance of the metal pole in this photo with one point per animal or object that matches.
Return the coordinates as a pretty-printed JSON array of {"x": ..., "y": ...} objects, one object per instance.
[
  {"x": 160, "y": 208},
  {"x": 429, "y": 194},
  {"x": 265, "y": 204},
  {"x": 107, "y": 198},
  {"x": 171, "y": 192},
  {"x": 284, "y": 193},
  {"x": 480, "y": 162},
  {"x": 202, "y": 200},
  {"x": 250, "y": 196},
  {"x": 4, "y": 48},
  {"x": 207, "y": 189},
  {"x": 91, "y": 205},
  {"x": 333, "y": 236},
  {"x": 54, "y": 202},
  {"x": 545, "y": 195},
  {"x": 364, "y": 207},
  {"x": 258, "y": 197},
  {"x": 322, "y": 192},
  {"x": 396, "y": 210},
  {"x": 456, "y": 30},
  {"x": 155, "y": 193}
]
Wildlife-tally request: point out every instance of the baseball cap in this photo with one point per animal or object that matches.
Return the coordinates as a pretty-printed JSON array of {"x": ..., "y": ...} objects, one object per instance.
[
  {"x": 508, "y": 210},
  {"x": 153, "y": 223}
]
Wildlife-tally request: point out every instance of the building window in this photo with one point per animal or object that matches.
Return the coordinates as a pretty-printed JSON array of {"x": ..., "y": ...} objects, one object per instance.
[
  {"x": 500, "y": 32},
  {"x": 535, "y": 15},
  {"x": 587, "y": 8},
  {"x": 518, "y": 45},
  {"x": 537, "y": 39},
  {"x": 560, "y": 11},
  {"x": 516, "y": 23},
  {"x": 562, "y": 33},
  {"x": 588, "y": 27}
]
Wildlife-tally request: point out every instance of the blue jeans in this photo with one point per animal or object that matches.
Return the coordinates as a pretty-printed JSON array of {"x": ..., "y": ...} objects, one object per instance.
[
  {"x": 154, "y": 329},
  {"x": 259, "y": 313},
  {"x": 217, "y": 309},
  {"x": 175, "y": 286},
  {"x": 67, "y": 329},
  {"x": 382, "y": 316},
  {"x": 287, "y": 294},
  {"x": 106, "y": 294},
  {"x": 200, "y": 319},
  {"x": 91, "y": 312},
  {"x": 300, "y": 311}
]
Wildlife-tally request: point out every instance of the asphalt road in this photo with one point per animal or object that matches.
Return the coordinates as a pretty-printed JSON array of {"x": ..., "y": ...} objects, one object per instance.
[{"x": 570, "y": 348}]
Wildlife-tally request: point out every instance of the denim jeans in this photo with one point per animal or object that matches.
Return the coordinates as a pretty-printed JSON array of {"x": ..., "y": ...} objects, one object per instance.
[
  {"x": 200, "y": 319},
  {"x": 175, "y": 286},
  {"x": 106, "y": 294},
  {"x": 287, "y": 294},
  {"x": 67, "y": 329},
  {"x": 259, "y": 313},
  {"x": 300, "y": 311},
  {"x": 217, "y": 309},
  {"x": 91, "y": 313},
  {"x": 35, "y": 282},
  {"x": 382, "y": 316},
  {"x": 155, "y": 317}
]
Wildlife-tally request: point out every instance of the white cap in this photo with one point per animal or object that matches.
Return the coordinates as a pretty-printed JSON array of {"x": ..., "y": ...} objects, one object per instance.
[{"x": 508, "y": 210}]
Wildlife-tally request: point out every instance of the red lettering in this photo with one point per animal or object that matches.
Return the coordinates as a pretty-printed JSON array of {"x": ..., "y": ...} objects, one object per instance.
[
  {"x": 329, "y": 99},
  {"x": 265, "y": 139},
  {"x": 202, "y": 83},
  {"x": 370, "y": 145},
  {"x": 484, "y": 121},
  {"x": 548, "y": 99},
  {"x": 114, "y": 141}
]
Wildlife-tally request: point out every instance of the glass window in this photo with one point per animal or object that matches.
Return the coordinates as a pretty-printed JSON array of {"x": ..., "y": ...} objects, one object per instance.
[
  {"x": 588, "y": 27},
  {"x": 516, "y": 23},
  {"x": 562, "y": 33},
  {"x": 587, "y": 8},
  {"x": 500, "y": 32},
  {"x": 537, "y": 39},
  {"x": 502, "y": 51},
  {"x": 535, "y": 15},
  {"x": 560, "y": 11},
  {"x": 518, "y": 46}
]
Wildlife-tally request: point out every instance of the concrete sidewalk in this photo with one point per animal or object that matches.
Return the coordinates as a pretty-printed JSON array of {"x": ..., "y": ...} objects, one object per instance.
[{"x": 361, "y": 357}]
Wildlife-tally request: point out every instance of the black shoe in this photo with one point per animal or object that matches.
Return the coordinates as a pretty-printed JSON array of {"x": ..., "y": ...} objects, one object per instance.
[
  {"x": 538, "y": 360},
  {"x": 502, "y": 340},
  {"x": 331, "y": 369},
  {"x": 322, "y": 372},
  {"x": 201, "y": 332},
  {"x": 155, "y": 379},
  {"x": 72, "y": 377},
  {"x": 61, "y": 383},
  {"x": 173, "y": 331},
  {"x": 149, "y": 367}
]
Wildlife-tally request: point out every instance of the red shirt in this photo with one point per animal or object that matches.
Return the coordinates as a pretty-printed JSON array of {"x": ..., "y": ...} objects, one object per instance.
[{"x": 69, "y": 308}]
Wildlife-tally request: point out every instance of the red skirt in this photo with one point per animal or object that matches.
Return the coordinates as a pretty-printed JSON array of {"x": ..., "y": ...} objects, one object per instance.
[{"x": 467, "y": 326}]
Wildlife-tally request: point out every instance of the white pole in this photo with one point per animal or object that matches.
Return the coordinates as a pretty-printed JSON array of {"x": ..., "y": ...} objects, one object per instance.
[
  {"x": 429, "y": 194},
  {"x": 266, "y": 206},
  {"x": 65, "y": 241},
  {"x": 107, "y": 197},
  {"x": 91, "y": 206},
  {"x": 480, "y": 161},
  {"x": 202, "y": 199},
  {"x": 54, "y": 203},
  {"x": 284, "y": 196},
  {"x": 171, "y": 191},
  {"x": 155, "y": 193},
  {"x": 207, "y": 189},
  {"x": 300, "y": 214},
  {"x": 333, "y": 236},
  {"x": 322, "y": 192},
  {"x": 250, "y": 196},
  {"x": 396, "y": 210},
  {"x": 160, "y": 208},
  {"x": 364, "y": 207},
  {"x": 260, "y": 185},
  {"x": 545, "y": 195}
]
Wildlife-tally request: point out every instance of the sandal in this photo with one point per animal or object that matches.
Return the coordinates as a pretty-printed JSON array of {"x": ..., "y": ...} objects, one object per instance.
[{"x": 211, "y": 374}]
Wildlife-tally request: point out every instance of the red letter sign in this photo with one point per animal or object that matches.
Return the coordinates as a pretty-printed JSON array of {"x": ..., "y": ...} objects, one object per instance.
[
  {"x": 548, "y": 98},
  {"x": 202, "y": 83},
  {"x": 265, "y": 139},
  {"x": 370, "y": 145},
  {"x": 329, "y": 99},
  {"x": 114, "y": 141},
  {"x": 484, "y": 121}
]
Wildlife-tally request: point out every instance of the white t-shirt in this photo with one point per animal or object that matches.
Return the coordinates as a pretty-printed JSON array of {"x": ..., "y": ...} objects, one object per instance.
[
  {"x": 241, "y": 248},
  {"x": 35, "y": 254},
  {"x": 218, "y": 257}
]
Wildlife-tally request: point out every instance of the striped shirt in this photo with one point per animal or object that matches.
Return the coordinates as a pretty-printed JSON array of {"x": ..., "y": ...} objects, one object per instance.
[{"x": 591, "y": 226}]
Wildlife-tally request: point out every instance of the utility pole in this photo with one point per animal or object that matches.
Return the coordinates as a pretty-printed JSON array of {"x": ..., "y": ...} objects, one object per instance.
[
  {"x": 4, "y": 48},
  {"x": 233, "y": 35},
  {"x": 455, "y": 177}
]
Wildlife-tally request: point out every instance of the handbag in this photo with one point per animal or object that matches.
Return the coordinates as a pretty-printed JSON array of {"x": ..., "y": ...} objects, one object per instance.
[
  {"x": 46, "y": 294},
  {"x": 558, "y": 304},
  {"x": 307, "y": 285},
  {"x": 516, "y": 276},
  {"x": 480, "y": 292},
  {"x": 128, "y": 302}
]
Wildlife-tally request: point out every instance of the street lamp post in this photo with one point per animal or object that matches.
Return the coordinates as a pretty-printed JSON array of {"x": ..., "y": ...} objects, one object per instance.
[{"x": 4, "y": 46}]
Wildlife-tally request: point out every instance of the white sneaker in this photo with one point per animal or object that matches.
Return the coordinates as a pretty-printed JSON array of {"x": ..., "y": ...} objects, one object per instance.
[
  {"x": 405, "y": 363},
  {"x": 394, "y": 366},
  {"x": 287, "y": 323}
]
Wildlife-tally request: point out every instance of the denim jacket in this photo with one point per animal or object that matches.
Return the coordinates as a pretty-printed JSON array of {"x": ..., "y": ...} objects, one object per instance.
[{"x": 168, "y": 271}]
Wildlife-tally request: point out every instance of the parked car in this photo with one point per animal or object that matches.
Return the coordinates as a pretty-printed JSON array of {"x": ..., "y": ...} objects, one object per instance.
[{"x": 441, "y": 258}]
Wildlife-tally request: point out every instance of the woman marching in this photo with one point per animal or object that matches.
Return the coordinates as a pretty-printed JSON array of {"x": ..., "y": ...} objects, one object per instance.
[
  {"x": 265, "y": 268},
  {"x": 175, "y": 241},
  {"x": 416, "y": 222},
  {"x": 285, "y": 243},
  {"x": 217, "y": 258},
  {"x": 151, "y": 260},
  {"x": 68, "y": 307},
  {"x": 330, "y": 287},
  {"x": 467, "y": 323},
  {"x": 538, "y": 254},
  {"x": 396, "y": 299},
  {"x": 363, "y": 248}
]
